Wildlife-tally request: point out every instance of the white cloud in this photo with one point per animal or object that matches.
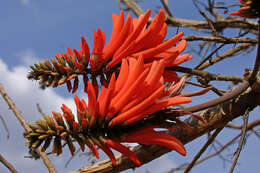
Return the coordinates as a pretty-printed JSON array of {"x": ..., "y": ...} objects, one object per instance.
[
  {"x": 28, "y": 57},
  {"x": 25, "y": 94}
]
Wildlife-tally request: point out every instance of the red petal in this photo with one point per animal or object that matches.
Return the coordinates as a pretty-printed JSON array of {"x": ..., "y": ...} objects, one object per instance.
[{"x": 124, "y": 150}]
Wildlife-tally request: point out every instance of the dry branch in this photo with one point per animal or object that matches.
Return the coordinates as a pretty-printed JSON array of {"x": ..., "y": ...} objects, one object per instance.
[
  {"x": 226, "y": 54},
  {"x": 219, "y": 24},
  {"x": 19, "y": 116},
  {"x": 7, "y": 164},
  {"x": 227, "y": 40}
]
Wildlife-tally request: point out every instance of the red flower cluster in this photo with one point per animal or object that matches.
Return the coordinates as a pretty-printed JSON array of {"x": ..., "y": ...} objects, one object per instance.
[
  {"x": 129, "y": 38},
  {"x": 138, "y": 92},
  {"x": 249, "y": 9},
  {"x": 136, "y": 58}
]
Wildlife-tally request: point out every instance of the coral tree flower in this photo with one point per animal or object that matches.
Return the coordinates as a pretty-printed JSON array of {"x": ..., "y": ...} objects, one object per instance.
[
  {"x": 105, "y": 121},
  {"x": 131, "y": 37},
  {"x": 249, "y": 9},
  {"x": 138, "y": 92},
  {"x": 133, "y": 76}
]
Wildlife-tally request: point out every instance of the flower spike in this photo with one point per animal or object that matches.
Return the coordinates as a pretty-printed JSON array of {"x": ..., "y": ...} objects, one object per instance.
[{"x": 130, "y": 38}]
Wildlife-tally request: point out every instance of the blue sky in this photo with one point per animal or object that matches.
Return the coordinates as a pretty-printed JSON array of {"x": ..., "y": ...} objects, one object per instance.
[{"x": 33, "y": 30}]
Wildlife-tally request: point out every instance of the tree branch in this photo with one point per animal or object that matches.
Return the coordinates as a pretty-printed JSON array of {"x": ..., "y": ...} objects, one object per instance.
[
  {"x": 19, "y": 116},
  {"x": 206, "y": 75},
  {"x": 197, "y": 24},
  {"x": 226, "y": 40},
  {"x": 7, "y": 164}
]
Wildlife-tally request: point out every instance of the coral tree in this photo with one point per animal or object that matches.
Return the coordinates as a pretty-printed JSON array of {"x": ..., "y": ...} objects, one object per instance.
[{"x": 134, "y": 89}]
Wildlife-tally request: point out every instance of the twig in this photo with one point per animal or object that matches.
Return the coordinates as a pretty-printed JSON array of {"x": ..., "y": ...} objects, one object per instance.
[
  {"x": 208, "y": 76},
  {"x": 221, "y": 99},
  {"x": 226, "y": 54},
  {"x": 210, "y": 140},
  {"x": 132, "y": 5},
  {"x": 7, "y": 164},
  {"x": 255, "y": 132},
  {"x": 210, "y": 22},
  {"x": 166, "y": 7},
  {"x": 215, "y": 90},
  {"x": 252, "y": 77},
  {"x": 70, "y": 159},
  {"x": 251, "y": 124},
  {"x": 183, "y": 166},
  {"x": 40, "y": 110},
  {"x": 19, "y": 116},
  {"x": 209, "y": 56},
  {"x": 226, "y": 40},
  {"x": 236, "y": 91},
  {"x": 5, "y": 127},
  {"x": 241, "y": 142},
  {"x": 196, "y": 24}
]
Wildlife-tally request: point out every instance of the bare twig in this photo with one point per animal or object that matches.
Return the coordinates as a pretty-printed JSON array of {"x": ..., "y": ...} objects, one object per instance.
[
  {"x": 208, "y": 76},
  {"x": 5, "y": 127},
  {"x": 7, "y": 164},
  {"x": 40, "y": 110},
  {"x": 251, "y": 124},
  {"x": 183, "y": 166},
  {"x": 215, "y": 90},
  {"x": 210, "y": 140},
  {"x": 241, "y": 142},
  {"x": 19, "y": 116},
  {"x": 208, "y": 58},
  {"x": 226, "y": 40},
  {"x": 233, "y": 93},
  {"x": 226, "y": 54},
  {"x": 252, "y": 77},
  {"x": 70, "y": 159},
  {"x": 132, "y": 5},
  {"x": 197, "y": 24},
  {"x": 219, "y": 100},
  {"x": 166, "y": 7}
]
